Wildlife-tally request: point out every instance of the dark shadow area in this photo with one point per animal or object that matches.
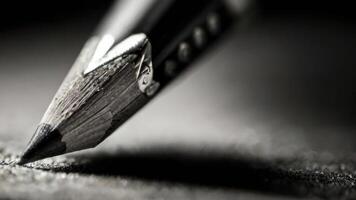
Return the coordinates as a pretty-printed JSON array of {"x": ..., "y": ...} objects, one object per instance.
[{"x": 292, "y": 177}]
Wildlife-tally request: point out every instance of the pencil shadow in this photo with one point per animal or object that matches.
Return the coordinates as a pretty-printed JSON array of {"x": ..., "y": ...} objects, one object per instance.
[{"x": 213, "y": 170}]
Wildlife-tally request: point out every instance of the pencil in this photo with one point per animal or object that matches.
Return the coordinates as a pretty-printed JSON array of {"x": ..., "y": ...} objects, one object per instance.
[{"x": 139, "y": 48}]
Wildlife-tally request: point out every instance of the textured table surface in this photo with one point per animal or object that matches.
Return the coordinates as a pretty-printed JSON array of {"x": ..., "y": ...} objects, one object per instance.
[{"x": 260, "y": 118}]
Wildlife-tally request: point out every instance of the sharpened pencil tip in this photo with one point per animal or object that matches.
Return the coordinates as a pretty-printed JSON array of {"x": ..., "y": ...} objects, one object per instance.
[
  {"x": 23, "y": 161},
  {"x": 45, "y": 143}
]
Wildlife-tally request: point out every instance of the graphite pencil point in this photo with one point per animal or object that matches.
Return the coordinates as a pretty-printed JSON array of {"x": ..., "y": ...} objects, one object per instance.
[{"x": 45, "y": 143}]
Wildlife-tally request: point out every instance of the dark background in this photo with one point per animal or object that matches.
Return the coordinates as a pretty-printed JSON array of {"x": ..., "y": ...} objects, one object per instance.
[
  {"x": 24, "y": 13},
  {"x": 15, "y": 14}
]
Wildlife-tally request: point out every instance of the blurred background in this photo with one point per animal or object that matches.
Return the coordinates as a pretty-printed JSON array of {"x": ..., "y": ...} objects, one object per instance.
[
  {"x": 281, "y": 87},
  {"x": 285, "y": 81}
]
